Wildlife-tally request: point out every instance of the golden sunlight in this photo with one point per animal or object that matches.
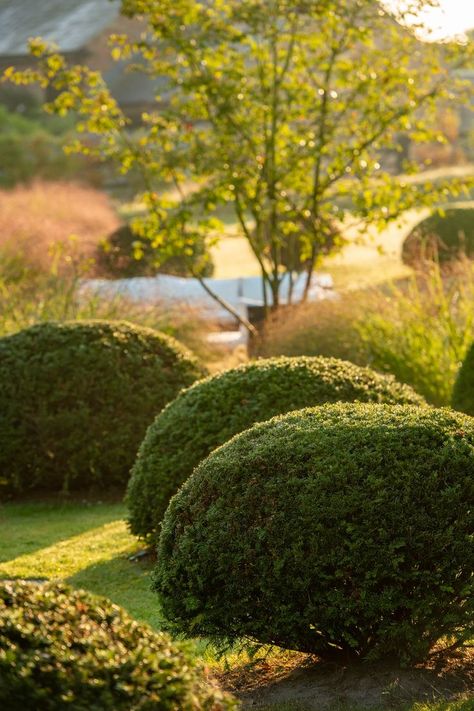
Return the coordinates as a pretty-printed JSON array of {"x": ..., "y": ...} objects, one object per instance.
[{"x": 451, "y": 18}]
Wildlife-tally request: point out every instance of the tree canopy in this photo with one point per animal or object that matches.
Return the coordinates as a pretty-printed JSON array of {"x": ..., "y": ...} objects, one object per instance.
[{"x": 284, "y": 112}]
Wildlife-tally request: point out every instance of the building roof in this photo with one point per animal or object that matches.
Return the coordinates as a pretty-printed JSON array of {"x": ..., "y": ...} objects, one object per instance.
[{"x": 71, "y": 24}]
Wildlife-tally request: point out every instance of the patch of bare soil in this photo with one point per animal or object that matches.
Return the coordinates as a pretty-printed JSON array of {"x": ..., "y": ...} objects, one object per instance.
[{"x": 314, "y": 685}]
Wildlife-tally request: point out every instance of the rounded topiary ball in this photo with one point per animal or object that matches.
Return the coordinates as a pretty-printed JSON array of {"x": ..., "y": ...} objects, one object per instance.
[
  {"x": 463, "y": 390},
  {"x": 214, "y": 410},
  {"x": 76, "y": 399},
  {"x": 63, "y": 649},
  {"x": 344, "y": 530},
  {"x": 444, "y": 237}
]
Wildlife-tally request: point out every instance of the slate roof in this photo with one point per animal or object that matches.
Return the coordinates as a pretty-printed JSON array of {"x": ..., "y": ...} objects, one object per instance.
[{"x": 69, "y": 23}]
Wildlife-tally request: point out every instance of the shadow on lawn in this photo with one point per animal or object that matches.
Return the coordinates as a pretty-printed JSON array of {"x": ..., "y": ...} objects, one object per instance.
[
  {"x": 125, "y": 582},
  {"x": 30, "y": 526}
]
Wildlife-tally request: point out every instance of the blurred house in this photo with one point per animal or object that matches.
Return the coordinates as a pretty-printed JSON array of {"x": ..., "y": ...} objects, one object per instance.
[{"x": 80, "y": 28}]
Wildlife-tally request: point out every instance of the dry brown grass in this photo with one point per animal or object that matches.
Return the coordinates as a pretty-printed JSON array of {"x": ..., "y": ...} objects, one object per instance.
[
  {"x": 327, "y": 328},
  {"x": 418, "y": 329},
  {"x": 35, "y": 219}
]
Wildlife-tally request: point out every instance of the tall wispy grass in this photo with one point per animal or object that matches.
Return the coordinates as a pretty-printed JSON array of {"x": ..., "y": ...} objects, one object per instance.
[
  {"x": 35, "y": 219},
  {"x": 421, "y": 331},
  {"x": 418, "y": 329},
  {"x": 49, "y": 233},
  {"x": 29, "y": 295}
]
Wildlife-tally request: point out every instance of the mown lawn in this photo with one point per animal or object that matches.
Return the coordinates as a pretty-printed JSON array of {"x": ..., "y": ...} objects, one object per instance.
[
  {"x": 85, "y": 544},
  {"x": 88, "y": 546}
]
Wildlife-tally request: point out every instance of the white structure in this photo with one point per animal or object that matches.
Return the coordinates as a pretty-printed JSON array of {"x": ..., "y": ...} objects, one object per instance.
[{"x": 241, "y": 293}]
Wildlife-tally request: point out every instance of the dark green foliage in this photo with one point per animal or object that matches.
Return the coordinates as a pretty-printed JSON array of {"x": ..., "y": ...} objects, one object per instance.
[
  {"x": 32, "y": 147},
  {"x": 116, "y": 257},
  {"x": 214, "y": 410},
  {"x": 62, "y": 649},
  {"x": 447, "y": 237},
  {"x": 344, "y": 530},
  {"x": 463, "y": 390},
  {"x": 77, "y": 397}
]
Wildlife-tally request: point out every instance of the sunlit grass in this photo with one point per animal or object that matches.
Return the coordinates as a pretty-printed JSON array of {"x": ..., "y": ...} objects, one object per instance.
[
  {"x": 88, "y": 546},
  {"x": 69, "y": 556},
  {"x": 27, "y": 527}
]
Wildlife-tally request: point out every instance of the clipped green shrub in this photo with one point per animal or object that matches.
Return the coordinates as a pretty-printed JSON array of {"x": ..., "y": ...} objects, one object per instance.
[
  {"x": 344, "y": 530},
  {"x": 448, "y": 236},
  {"x": 63, "y": 649},
  {"x": 76, "y": 399},
  {"x": 463, "y": 390},
  {"x": 116, "y": 257},
  {"x": 215, "y": 409}
]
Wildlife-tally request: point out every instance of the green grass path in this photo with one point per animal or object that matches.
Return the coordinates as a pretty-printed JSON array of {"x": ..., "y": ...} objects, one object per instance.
[{"x": 86, "y": 545}]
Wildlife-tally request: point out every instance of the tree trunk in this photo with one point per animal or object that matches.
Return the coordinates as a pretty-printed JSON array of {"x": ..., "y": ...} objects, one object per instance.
[{"x": 227, "y": 306}]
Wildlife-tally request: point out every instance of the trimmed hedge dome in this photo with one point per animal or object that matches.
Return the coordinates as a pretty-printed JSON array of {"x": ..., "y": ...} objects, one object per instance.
[
  {"x": 463, "y": 390},
  {"x": 215, "y": 409},
  {"x": 344, "y": 530},
  {"x": 76, "y": 399},
  {"x": 445, "y": 237},
  {"x": 63, "y": 649}
]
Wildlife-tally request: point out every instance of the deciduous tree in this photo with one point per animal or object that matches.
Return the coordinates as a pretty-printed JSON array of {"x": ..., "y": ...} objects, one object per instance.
[{"x": 281, "y": 111}]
